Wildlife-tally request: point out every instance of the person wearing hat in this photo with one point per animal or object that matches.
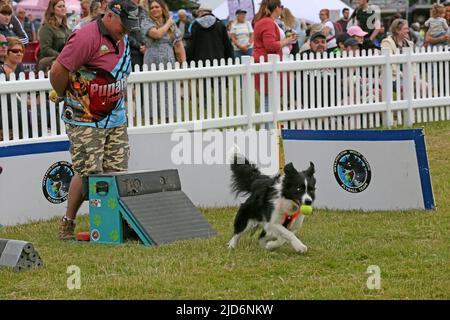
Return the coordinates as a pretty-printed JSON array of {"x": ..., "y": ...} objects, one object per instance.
[
  {"x": 317, "y": 43},
  {"x": 367, "y": 17},
  {"x": 340, "y": 40},
  {"x": 315, "y": 27},
  {"x": 95, "y": 59},
  {"x": 242, "y": 35},
  {"x": 357, "y": 33},
  {"x": 351, "y": 44},
  {"x": 209, "y": 38}
]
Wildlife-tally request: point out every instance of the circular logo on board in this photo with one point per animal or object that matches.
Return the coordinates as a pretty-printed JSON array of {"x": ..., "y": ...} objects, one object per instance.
[
  {"x": 56, "y": 182},
  {"x": 352, "y": 171},
  {"x": 95, "y": 235}
]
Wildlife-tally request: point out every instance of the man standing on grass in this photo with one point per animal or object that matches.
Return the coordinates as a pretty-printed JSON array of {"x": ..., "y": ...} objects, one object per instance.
[{"x": 90, "y": 73}]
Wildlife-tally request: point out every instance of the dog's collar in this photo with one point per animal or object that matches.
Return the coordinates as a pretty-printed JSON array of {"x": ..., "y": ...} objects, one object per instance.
[{"x": 289, "y": 219}]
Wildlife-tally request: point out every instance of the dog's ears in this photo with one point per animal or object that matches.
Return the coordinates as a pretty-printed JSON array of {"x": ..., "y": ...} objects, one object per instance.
[
  {"x": 311, "y": 170},
  {"x": 289, "y": 167}
]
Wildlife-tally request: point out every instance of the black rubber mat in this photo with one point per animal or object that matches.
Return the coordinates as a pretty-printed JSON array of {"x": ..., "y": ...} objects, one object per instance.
[{"x": 168, "y": 216}]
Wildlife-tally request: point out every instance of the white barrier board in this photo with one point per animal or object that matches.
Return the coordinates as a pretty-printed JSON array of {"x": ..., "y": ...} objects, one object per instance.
[
  {"x": 34, "y": 178},
  {"x": 365, "y": 169}
]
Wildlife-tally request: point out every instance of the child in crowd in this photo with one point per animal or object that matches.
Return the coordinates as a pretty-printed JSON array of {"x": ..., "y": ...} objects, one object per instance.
[{"x": 437, "y": 24}]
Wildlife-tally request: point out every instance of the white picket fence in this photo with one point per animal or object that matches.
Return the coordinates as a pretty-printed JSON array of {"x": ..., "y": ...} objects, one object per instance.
[{"x": 324, "y": 93}]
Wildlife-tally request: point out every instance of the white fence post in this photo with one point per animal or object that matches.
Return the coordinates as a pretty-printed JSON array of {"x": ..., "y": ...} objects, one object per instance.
[
  {"x": 387, "y": 88},
  {"x": 248, "y": 91},
  {"x": 274, "y": 89},
  {"x": 408, "y": 80}
]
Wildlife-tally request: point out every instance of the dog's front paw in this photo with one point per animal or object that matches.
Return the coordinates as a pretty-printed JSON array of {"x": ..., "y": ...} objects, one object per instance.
[
  {"x": 300, "y": 247},
  {"x": 270, "y": 245},
  {"x": 232, "y": 243}
]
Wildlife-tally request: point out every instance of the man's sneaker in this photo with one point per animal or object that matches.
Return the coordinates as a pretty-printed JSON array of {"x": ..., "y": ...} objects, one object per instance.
[{"x": 66, "y": 230}]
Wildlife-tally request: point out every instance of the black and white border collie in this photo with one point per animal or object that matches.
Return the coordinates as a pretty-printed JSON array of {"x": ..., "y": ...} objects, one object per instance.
[{"x": 273, "y": 203}]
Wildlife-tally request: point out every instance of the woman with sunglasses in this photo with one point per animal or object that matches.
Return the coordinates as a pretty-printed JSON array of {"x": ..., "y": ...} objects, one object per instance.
[
  {"x": 53, "y": 33},
  {"x": 13, "y": 58}
]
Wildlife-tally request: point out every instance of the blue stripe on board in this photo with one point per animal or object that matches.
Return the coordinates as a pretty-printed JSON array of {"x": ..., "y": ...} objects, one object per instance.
[
  {"x": 352, "y": 135},
  {"x": 424, "y": 171},
  {"x": 34, "y": 148}
]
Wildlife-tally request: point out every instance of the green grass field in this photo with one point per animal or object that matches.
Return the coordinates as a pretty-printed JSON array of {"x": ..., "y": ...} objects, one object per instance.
[{"x": 411, "y": 248}]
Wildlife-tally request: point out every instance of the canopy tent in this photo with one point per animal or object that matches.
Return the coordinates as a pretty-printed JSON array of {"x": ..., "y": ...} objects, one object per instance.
[
  {"x": 37, "y": 7},
  {"x": 302, "y": 9}
]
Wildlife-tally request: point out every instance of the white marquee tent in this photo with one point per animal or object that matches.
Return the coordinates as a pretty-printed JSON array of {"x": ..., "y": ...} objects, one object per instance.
[
  {"x": 307, "y": 10},
  {"x": 38, "y": 7}
]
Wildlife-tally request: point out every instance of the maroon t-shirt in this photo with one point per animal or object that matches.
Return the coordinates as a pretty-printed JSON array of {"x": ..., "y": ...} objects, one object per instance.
[{"x": 98, "y": 71}]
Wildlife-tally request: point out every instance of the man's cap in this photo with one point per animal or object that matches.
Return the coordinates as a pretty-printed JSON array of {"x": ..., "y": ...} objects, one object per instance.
[
  {"x": 351, "y": 42},
  {"x": 128, "y": 12},
  {"x": 317, "y": 35},
  {"x": 340, "y": 38},
  {"x": 356, "y": 31},
  {"x": 239, "y": 11}
]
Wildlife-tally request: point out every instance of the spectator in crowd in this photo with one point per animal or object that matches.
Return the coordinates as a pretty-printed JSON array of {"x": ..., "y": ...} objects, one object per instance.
[
  {"x": 53, "y": 34},
  {"x": 398, "y": 39},
  {"x": 136, "y": 38},
  {"x": 301, "y": 37},
  {"x": 340, "y": 41},
  {"x": 242, "y": 35},
  {"x": 292, "y": 24},
  {"x": 163, "y": 42},
  {"x": 12, "y": 65},
  {"x": 5, "y": 20},
  {"x": 269, "y": 39},
  {"x": 352, "y": 45},
  {"x": 209, "y": 38},
  {"x": 341, "y": 24},
  {"x": 183, "y": 24},
  {"x": 380, "y": 36},
  {"x": 27, "y": 25},
  {"x": 3, "y": 51},
  {"x": 9, "y": 24},
  {"x": 399, "y": 36},
  {"x": 85, "y": 6},
  {"x": 163, "y": 39},
  {"x": 368, "y": 18},
  {"x": 318, "y": 44},
  {"x": 36, "y": 24},
  {"x": 88, "y": 12},
  {"x": 97, "y": 129},
  {"x": 328, "y": 29},
  {"x": 103, "y": 4},
  {"x": 13, "y": 58},
  {"x": 437, "y": 24},
  {"x": 416, "y": 35},
  {"x": 359, "y": 34},
  {"x": 316, "y": 27}
]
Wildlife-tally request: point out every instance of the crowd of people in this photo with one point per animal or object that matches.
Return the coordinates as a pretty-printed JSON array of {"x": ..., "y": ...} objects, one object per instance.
[{"x": 200, "y": 35}]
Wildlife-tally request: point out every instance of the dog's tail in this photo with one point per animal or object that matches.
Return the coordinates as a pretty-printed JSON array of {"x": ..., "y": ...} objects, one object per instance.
[{"x": 243, "y": 175}]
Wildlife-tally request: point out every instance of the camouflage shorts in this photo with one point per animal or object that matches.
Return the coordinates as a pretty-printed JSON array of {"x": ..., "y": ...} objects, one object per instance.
[{"x": 97, "y": 150}]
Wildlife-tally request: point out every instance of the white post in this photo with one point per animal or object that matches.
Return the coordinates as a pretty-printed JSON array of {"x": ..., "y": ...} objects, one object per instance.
[
  {"x": 408, "y": 78},
  {"x": 274, "y": 89},
  {"x": 248, "y": 91},
  {"x": 387, "y": 88}
]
